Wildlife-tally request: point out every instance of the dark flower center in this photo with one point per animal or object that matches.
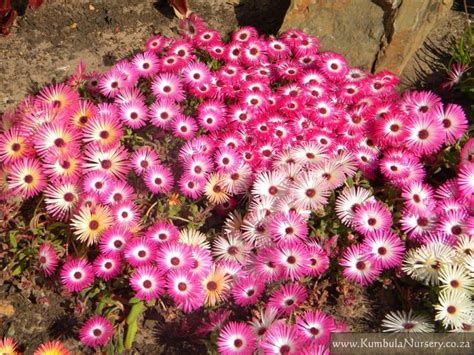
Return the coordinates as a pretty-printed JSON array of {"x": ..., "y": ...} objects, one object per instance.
[
  {"x": 68, "y": 197},
  {"x": 147, "y": 284},
  {"x": 211, "y": 286},
  {"x": 106, "y": 164},
  {"x": 28, "y": 179},
  {"x": 423, "y": 134},
  {"x": 93, "y": 225}
]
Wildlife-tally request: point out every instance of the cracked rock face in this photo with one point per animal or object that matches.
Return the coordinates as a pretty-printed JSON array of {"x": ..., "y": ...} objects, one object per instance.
[{"x": 373, "y": 34}]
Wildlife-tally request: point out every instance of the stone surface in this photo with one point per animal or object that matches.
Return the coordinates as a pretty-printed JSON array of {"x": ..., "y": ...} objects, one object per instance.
[{"x": 375, "y": 35}]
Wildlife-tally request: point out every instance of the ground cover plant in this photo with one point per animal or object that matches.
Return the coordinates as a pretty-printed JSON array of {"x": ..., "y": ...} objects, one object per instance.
[{"x": 251, "y": 191}]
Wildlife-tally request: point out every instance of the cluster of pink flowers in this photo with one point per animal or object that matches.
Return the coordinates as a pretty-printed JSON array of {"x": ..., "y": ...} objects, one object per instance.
[{"x": 273, "y": 119}]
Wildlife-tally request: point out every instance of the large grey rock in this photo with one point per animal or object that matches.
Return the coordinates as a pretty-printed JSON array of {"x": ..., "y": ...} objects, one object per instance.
[{"x": 376, "y": 35}]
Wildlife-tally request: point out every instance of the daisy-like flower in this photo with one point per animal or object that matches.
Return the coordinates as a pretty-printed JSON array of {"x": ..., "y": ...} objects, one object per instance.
[
  {"x": 418, "y": 196},
  {"x": 134, "y": 114},
  {"x": 348, "y": 201},
  {"x": 185, "y": 290},
  {"x": 236, "y": 338},
  {"x": 271, "y": 183},
  {"x": 56, "y": 139},
  {"x": 26, "y": 178},
  {"x": 455, "y": 73},
  {"x": 316, "y": 326},
  {"x": 231, "y": 247},
  {"x": 421, "y": 104},
  {"x": 310, "y": 154},
  {"x": 293, "y": 260},
  {"x": 54, "y": 347},
  {"x": 146, "y": 64},
  {"x": 196, "y": 74},
  {"x": 61, "y": 200},
  {"x": 114, "y": 240},
  {"x": 107, "y": 266},
  {"x": 47, "y": 259},
  {"x": 162, "y": 232},
  {"x": 227, "y": 160},
  {"x": 113, "y": 161},
  {"x": 96, "y": 182},
  {"x": 403, "y": 322},
  {"x": 216, "y": 286},
  {"x": 247, "y": 290},
  {"x": 158, "y": 179},
  {"x": 214, "y": 189},
  {"x": 63, "y": 169},
  {"x": 174, "y": 256},
  {"x": 167, "y": 86},
  {"x": 8, "y": 346},
  {"x": 385, "y": 248},
  {"x": 282, "y": 338},
  {"x": 371, "y": 217},
  {"x": 111, "y": 83},
  {"x": 118, "y": 191},
  {"x": 454, "y": 309},
  {"x": 76, "y": 275},
  {"x": 140, "y": 251},
  {"x": 425, "y": 134},
  {"x": 147, "y": 282},
  {"x": 89, "y": 223},
  {"x": 333, "y": 66},
  {"x": 318, "y": 259},
  {"x": 190, "y": 186},
  {"x": 163, "y": 112},
  {"x": 453, "y": 120},
  {"x": 453, "y": 223},
  {"x": 287, "y": 298},
  {"x": 359, "y": 266},
  {"x": 143, "y": 159},
  {"x": 239, "y": 180},
  {"x": 58, "y": 97},
  {"x": 97, "y": 331},
  {"x": 424, "y": 263},
  {"x": 310, "y": 191},
  {"x": 126, "y": 214},
  {"x": 456, "y": 277},
  {"x": 288, "y": 228},
  {"x": 104, "y": 130},
  {"x": 184, "y": 127},
  {"x": 13, "y": 146}
]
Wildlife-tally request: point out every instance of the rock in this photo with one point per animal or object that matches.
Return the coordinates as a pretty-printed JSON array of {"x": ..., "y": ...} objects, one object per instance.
[
  {"x": 375, "y": 35},
  {"x": 6, "y": 308}
]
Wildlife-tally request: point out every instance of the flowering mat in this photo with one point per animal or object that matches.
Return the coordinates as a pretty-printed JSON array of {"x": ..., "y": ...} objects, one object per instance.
[{"x": 249, "y": 196}]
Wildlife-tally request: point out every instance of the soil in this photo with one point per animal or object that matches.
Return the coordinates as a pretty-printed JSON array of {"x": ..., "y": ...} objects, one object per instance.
[{"x": 46, "y": 45}]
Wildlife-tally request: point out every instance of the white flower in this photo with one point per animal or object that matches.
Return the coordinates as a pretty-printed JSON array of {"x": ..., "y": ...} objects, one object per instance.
[
  {"x": 454, "y": 310},
  {"x": 403, "y": 322}
]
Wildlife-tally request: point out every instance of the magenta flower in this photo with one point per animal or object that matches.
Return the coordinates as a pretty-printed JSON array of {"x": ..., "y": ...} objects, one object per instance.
[
  {"x": 47, "y": 259},
  {"x": 97, "y": 331},
  {"x": 77, "y": 274}
]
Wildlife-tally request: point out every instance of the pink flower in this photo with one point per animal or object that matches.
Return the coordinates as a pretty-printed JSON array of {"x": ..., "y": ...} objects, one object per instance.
[
  {"x": 47, "y": 259},
  {"x": 97, "y": 331},
  {"x": 147, "y": 282},
  {"x": 77, "y": 274}
]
